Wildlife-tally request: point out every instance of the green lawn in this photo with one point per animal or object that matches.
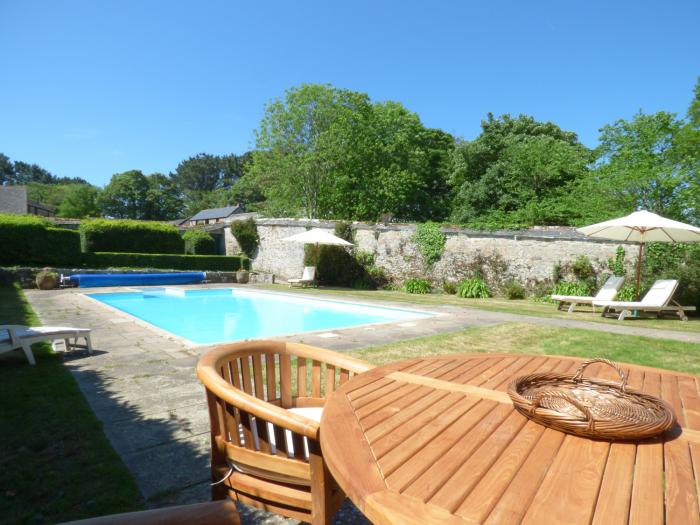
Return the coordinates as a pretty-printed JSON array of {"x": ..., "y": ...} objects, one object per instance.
[
  {"x": 529, "y": 339},
  {"x": 500, "y": 304},
  {"x": 55, "y": 462}
]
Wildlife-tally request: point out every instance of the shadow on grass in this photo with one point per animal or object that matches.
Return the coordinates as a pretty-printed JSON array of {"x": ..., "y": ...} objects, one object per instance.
[{"x": 56, "y": 463}]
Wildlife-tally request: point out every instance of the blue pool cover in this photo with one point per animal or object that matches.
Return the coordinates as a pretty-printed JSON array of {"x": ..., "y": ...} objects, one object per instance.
[{"x": 87, "y": 280}]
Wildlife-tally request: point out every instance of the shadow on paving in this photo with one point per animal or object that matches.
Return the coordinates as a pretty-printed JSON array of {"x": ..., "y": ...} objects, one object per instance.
[
  {"x": 165, "y": 452},
  {"x": 168, "y": 457}
]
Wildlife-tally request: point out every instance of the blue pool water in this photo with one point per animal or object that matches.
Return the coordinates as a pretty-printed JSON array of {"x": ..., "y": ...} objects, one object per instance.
[{"x": 215, "y": 316}]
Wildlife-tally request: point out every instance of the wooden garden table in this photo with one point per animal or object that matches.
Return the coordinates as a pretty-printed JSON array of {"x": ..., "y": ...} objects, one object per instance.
[{"x": 436, "y": 440}]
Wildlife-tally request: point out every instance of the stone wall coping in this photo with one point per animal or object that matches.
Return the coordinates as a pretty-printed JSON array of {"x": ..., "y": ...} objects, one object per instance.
[{"x": 539, "y": 233}]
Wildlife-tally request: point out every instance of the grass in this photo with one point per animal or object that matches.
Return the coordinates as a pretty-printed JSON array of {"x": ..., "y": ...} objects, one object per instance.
[
  {"x": 500, "y": 304},
  {"x": 56, "y": 463},
  {"x": 520, "y": 338}
]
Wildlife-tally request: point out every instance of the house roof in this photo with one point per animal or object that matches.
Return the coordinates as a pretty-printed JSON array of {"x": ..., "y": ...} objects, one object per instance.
[{"x": 216, "y": 213}]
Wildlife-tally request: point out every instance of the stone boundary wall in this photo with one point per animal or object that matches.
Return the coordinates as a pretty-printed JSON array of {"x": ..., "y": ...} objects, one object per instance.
[{"x": 526, "y": 255}]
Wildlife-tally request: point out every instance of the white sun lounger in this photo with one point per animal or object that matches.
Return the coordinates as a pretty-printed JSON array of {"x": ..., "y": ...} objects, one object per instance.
[
  {"x": 606, "y": 293},
  {"x": 307, "y": 277},
  {"x": 657, "y": 300},
  {"x": 16, "y": 336}
]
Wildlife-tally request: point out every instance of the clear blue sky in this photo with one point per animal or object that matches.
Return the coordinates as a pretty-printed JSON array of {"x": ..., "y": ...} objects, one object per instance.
[{"x": 91, "y": 88}]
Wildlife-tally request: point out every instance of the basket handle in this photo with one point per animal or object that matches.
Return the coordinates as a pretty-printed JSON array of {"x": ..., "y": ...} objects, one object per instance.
[
  {"x": 566, "y": 397},
  {"x": 578, "y": 376}
]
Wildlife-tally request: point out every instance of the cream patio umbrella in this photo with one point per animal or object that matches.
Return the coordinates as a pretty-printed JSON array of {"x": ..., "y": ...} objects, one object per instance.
[
  {"x": 317, "y": 236},
  {"x": 642, "y": 226}
]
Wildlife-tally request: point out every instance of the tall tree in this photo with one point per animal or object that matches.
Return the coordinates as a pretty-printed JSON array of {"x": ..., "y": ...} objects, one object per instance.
[
  {"x": 330, "y": 153},
  {"x": 79, "y": 201},
  {"x": 515, "y": 173},
  {"x": 297, "y": 146},
  {"x": 204, "y": 180},
  {"x": 26, "y": 173},
  {"x": 200, "y": 173},
  {"x": 687, "y": 153},
  {"x": 125, "y": 197},
  {"x": 639, "y": 168},
  {"x": 162, "y": 200},
  {"x": 7, "y": 170}
]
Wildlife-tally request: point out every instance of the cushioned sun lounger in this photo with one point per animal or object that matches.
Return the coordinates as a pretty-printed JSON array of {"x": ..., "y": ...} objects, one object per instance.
[
  {"x": 606, "y": 293},
  {"x": 13, "y": 337},
  {"x": 307, "y": 277},
  {"x": 657, "y": 300}
]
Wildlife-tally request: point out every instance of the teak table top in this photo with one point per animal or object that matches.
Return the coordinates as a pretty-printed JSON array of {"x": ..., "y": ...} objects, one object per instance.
[{"x": 437, "y": 440}]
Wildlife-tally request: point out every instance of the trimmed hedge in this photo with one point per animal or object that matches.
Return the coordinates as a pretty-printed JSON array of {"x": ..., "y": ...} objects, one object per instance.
[
  {"x": 129, "y": 236},
  {"x": 30, "y": 240},
  {"x": 221, "y": 263},
  {"x": 199, "y": 242}
]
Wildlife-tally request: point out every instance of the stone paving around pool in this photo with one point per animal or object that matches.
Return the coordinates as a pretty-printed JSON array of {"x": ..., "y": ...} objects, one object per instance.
[{"x": 141, "y": 384}]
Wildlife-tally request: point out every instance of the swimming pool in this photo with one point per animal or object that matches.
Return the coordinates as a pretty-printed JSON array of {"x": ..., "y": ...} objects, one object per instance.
[{"x": 231, "y": 314}]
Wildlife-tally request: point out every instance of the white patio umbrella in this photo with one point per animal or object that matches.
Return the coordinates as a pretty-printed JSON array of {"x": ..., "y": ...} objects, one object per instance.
[
  {"x": 642, "y": 226},
  {"x": 317, "y": 236}
]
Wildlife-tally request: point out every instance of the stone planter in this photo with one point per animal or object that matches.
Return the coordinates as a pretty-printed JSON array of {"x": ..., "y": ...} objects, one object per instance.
[
  {"x": 242, "y": 276},
  {"x": 46, "y": 280}
]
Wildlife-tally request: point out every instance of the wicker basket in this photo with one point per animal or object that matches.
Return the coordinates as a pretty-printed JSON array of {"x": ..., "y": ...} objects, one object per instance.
[{"x": 590, "y": 407}]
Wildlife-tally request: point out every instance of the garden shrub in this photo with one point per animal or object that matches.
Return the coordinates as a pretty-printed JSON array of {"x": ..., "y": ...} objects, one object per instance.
[
  {"x": 417, "y": 286},
  {"x": 130, "y": 236},
  {"x": 246, "y": 234},
  {"x": 557, "y": 272},
  {"x": 542, "y": 292},
  {"x": 341, "y": 266},
  {"x": 221, "y": 263},
  {"x": 343, "y": 230},
  {"x": 199, "y": 242},
  {"x": 33, "y": 241},
  {"x": 572, "y": 288},
  {"x": 430, "y": 241},
  {"x": 617, "y": 264},
  {"x": 583, "y": 269},
  {"x": 674, "y": 261},
  {"x": 473, "y": 289},
  {"x": 627, "y": 293},
  {"x": 449, "y": 288},
  {"x": 514, "y": 290}
]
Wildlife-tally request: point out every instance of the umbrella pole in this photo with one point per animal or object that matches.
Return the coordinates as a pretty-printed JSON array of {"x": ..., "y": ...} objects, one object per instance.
[{"x": 639, "y": 267}]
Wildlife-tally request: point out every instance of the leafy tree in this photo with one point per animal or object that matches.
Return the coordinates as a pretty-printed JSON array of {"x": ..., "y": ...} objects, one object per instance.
[
  {"x": 26, "y": 173},
  {"x": 162, "y": 200},
  {"x": 331, "y": 153},
  {"x": 7, "y": 170},
  {"x": 125, "y": 197},
  {"x": 133, "y": 195},
  {"x": 516, "y": 173},
  {"x": 205, "y": 180},
  {"x": 70, "y": 200},
  {"x": 687, "y": 153},
  {"x": 79, "y": 201},
  {"x": 407, "y": 175},
  {"x": 200, "y": 173},
  {"x": 49, "y": 194},
  {"x": 297, "y": 145},
  {"x": 233, "y": 168},
  {"x": 22, "y": 173},
  {"x": 639, "y": 168}
]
